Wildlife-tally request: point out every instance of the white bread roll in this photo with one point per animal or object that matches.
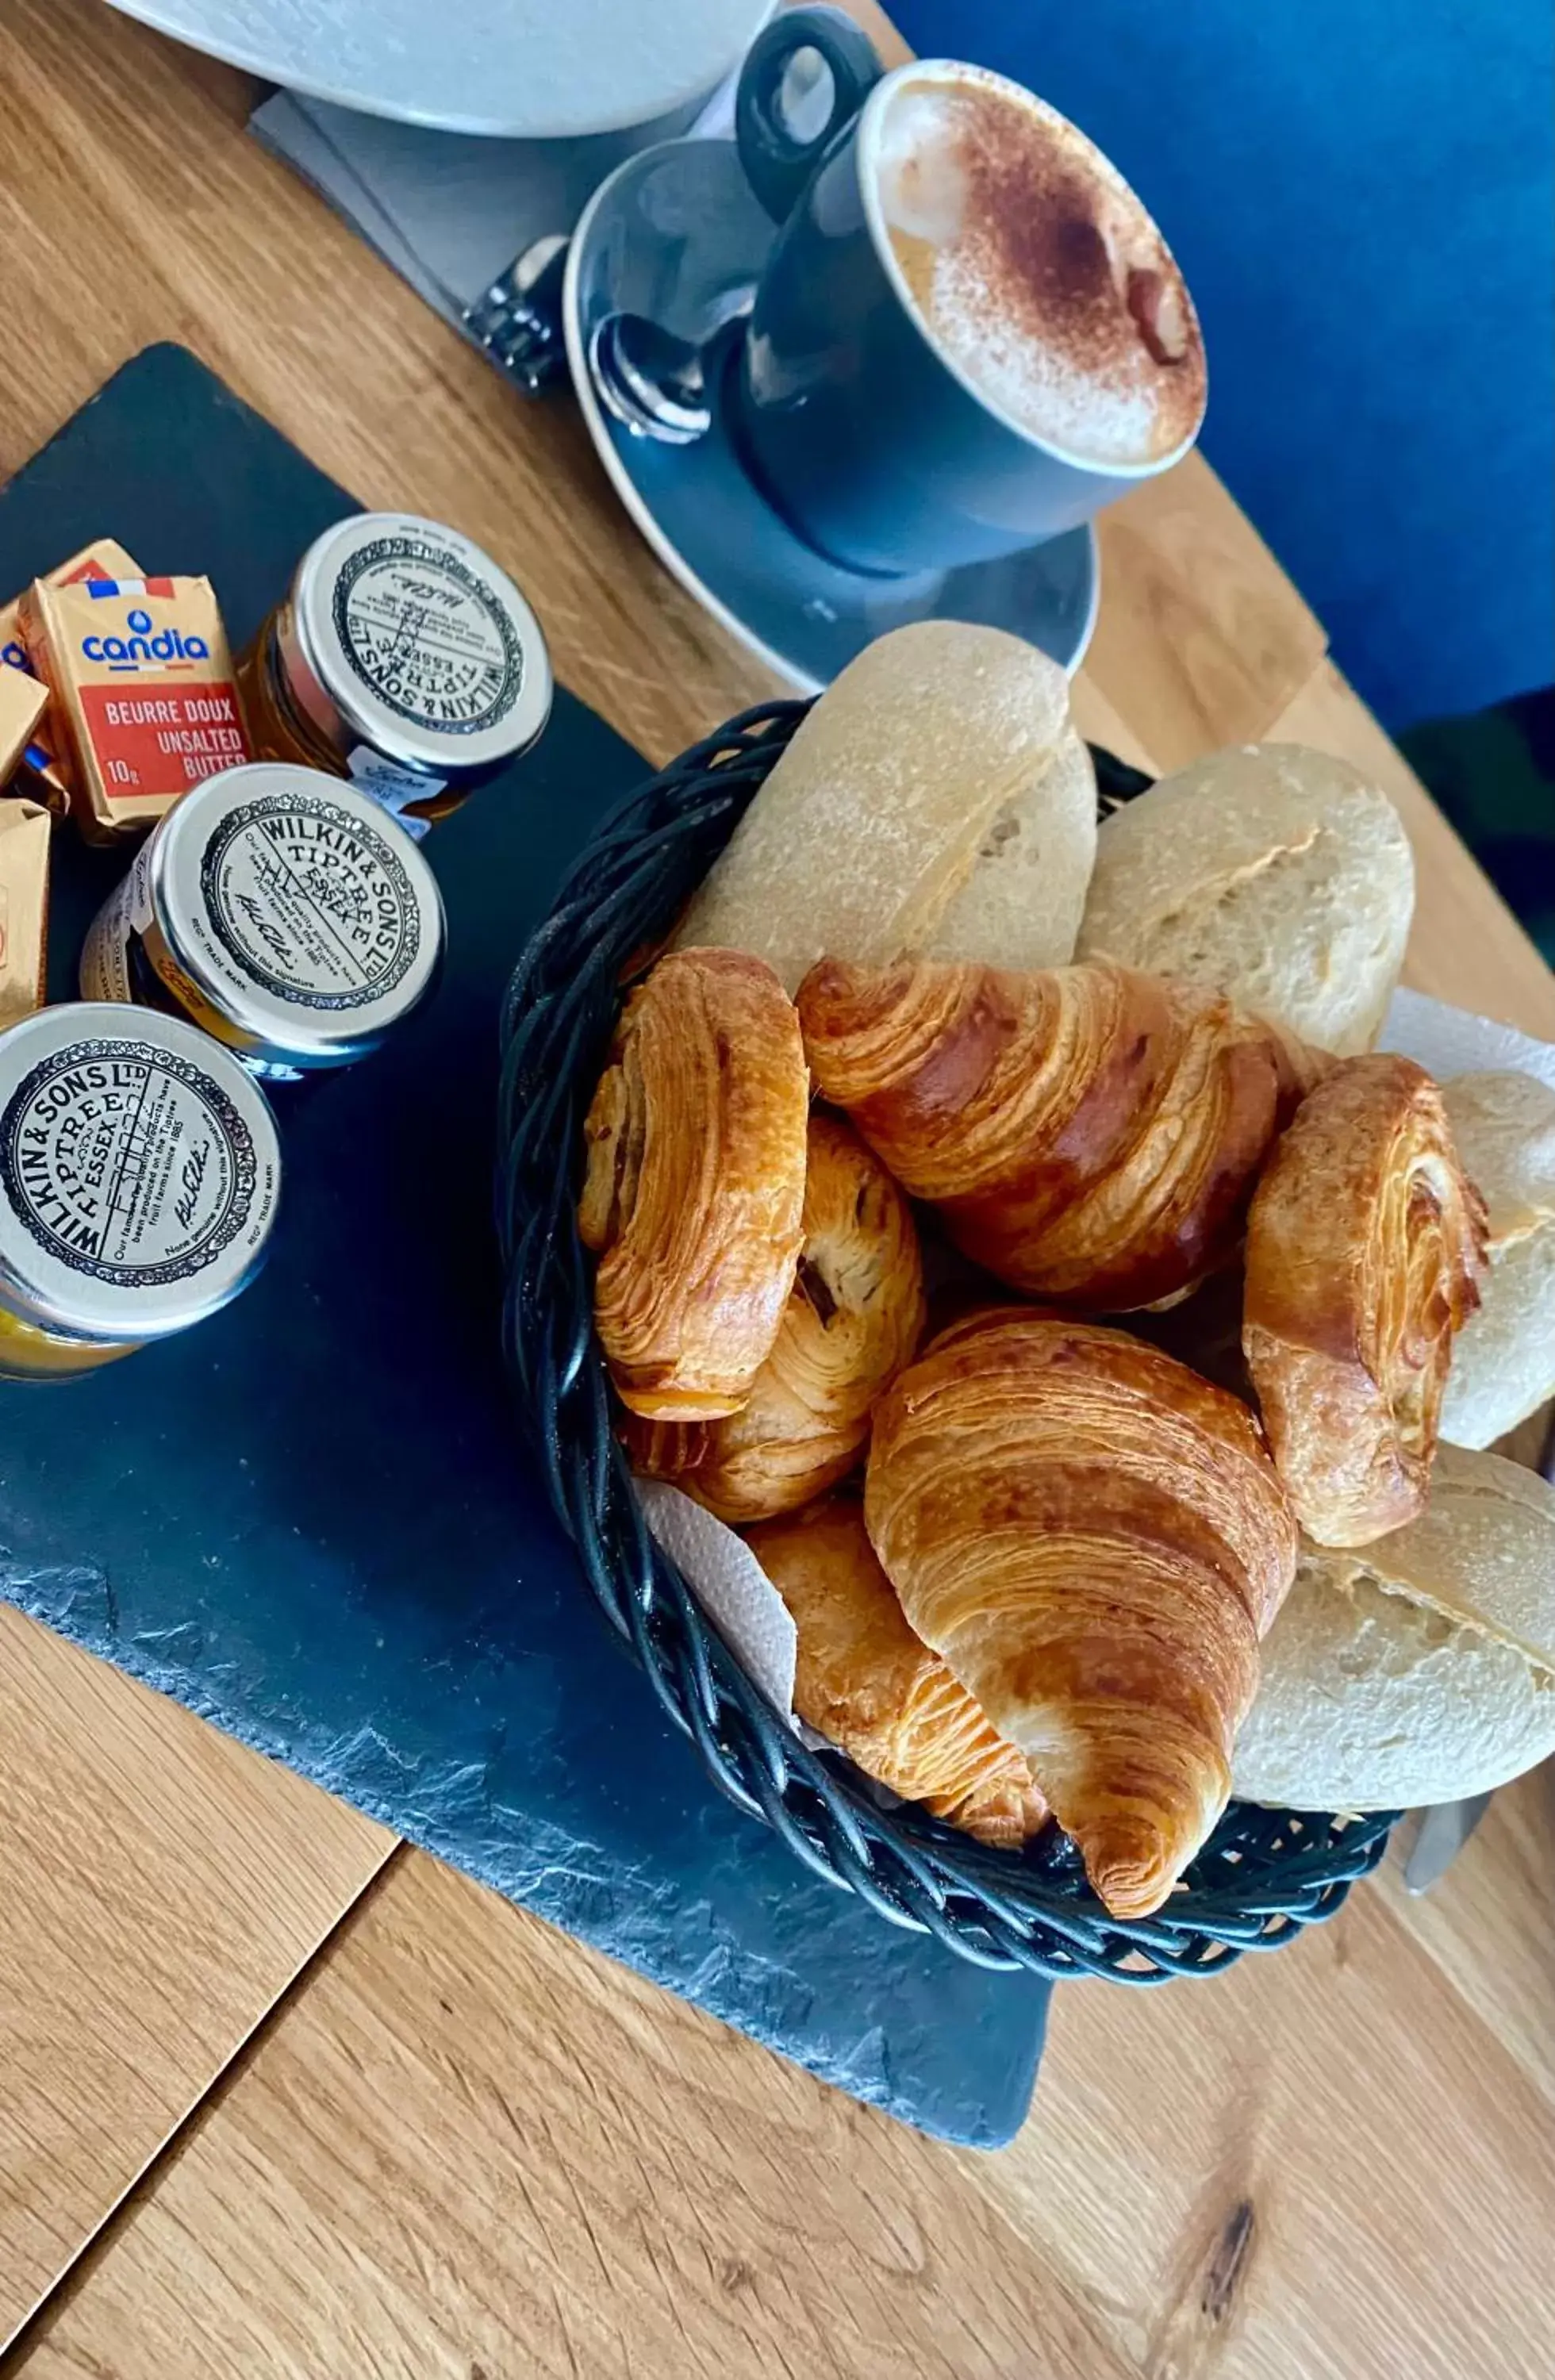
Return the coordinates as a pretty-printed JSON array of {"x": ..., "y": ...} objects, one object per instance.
[
  {"x": 1503, "y": 1359},
  {"x": 1418, "y": 1669},
  {"x": 1268, "y": 871},
  {"x": 1021, "y": 905},
  {"x": 873, "y": 819}
]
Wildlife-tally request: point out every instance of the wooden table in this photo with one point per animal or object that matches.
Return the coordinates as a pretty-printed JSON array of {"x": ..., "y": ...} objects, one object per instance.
[{"x": 280, "y": 2097}]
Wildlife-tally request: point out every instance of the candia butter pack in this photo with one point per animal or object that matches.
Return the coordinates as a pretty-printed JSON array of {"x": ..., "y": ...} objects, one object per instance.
[
  {"x": 141, "y": 680},
  {"x": 22, "y": 703},
  {"x": 24, "y": 907},
  {"x": 42, "y": 760}
]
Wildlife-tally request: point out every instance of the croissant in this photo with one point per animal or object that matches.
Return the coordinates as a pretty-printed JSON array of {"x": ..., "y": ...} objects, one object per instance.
[
  {"x": 1095, "y": 1539},
  {"x": 1089, "y": 1134},
  {"x": 872, "y": 1688},
  {"x": 694, "y": 1182},
  {"x": 852, "y": 1319},
  {"x": 1365, "y": 1245}
]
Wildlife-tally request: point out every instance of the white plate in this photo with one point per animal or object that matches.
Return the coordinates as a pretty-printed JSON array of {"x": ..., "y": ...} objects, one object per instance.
[{"x": 516, "y": 69}]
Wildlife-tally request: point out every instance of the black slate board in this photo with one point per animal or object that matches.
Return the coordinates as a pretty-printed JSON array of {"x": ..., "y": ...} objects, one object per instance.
[{"x": 310, "y": 1520}]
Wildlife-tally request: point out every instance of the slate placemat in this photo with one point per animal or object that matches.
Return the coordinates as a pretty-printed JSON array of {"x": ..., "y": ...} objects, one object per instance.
[{"x": 310, "y": 1519}]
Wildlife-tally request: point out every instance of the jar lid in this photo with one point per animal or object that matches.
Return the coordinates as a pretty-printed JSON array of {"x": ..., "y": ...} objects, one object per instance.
[
  {"x": 418, "y": 644},
  {"x": 298, "y": 907},
  {"x": 140, "y": 1167}
]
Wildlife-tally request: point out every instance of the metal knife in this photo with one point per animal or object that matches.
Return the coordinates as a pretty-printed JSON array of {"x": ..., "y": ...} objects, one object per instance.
[{"x": 1443, "y": 1832}]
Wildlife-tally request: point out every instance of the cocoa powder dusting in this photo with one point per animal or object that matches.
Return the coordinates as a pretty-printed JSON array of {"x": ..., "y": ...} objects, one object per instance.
[{"x": 1032, "y": 233}]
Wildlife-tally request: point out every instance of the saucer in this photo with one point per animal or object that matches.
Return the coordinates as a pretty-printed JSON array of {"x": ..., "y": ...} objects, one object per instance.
[{"x": 675, "y": 233}]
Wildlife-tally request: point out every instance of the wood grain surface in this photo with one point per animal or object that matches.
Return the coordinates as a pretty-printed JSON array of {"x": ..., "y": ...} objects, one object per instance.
[
  {"x": 471, "y": 2149},
  {"x": 1200, "y": 639},
  {"x": 463, "y": 2146},
  {"x": 159, "y": 1887}
]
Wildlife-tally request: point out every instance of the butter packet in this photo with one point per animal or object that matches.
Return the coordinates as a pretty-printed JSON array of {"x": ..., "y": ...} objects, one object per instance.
[
  {"x": 143, "y": 681},
  {"x": 24, "y": 907},
  {"x": 22, "y": 704},
  {"x": 44, "y": 768}
]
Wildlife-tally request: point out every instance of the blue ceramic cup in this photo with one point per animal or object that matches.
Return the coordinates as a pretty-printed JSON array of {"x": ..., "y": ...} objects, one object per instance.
[{"x": 872, "y": 445}]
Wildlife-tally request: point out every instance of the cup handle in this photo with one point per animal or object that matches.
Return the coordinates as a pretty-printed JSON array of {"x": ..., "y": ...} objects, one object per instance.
[{"x": 777, "y": 164}]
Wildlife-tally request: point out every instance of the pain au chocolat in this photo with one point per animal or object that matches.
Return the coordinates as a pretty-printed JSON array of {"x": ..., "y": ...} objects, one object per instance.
[
  {"x": 695, "y": 1182},
  {"x": 854, "y": 1318},
  {"x": 1365, "y": 1247}
]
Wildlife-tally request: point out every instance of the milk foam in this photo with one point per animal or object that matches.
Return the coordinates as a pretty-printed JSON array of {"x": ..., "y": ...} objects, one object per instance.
[
  {"x": 988, "y": 198},
  {"x": 922, "y": 184}
]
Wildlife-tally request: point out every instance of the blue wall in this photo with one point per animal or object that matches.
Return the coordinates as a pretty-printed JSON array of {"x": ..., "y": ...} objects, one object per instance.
[{"x": 1362, "y": 193}]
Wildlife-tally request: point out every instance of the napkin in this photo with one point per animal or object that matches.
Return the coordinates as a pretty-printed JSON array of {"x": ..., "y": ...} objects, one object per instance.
[
  {"x": 731, "y": 1587},
  {"x": 1453, "y": 1041},
  {"x": 450, "y": 211}
]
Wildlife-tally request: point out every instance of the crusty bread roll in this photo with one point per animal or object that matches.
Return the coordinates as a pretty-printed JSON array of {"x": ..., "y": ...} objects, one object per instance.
[
  {"x": 873, "y": 818},
  {"x": 1503, "y": 1366},
  {"x": 1420, "y": 1669},
  {"x": 1271, "y": 872},
  {"x": 1021, "y": 905}
]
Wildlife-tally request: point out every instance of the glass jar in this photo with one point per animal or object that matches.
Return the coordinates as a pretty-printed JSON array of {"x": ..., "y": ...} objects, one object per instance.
[
  {"x": 140, "y": 1170},
  {"x": 281, "y": 911},
  {"x": 403, "y": 657}
]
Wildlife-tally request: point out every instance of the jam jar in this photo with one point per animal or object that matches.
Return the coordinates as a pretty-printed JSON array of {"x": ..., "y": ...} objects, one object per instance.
[
  {"x": 282, "y": 911},
  {"x": 140, "y": 1170},
  {"x": 404, "y": 658}
]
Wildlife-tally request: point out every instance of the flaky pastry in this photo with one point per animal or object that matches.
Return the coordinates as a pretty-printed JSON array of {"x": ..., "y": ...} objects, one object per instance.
[
  {"x": 852, "y": 1319},
  {"x": 1095, "y": 1539},
  {"x": 1089, "y": 1134},
  {"x": 695, "y": 1182},
  {"x": 872, "y": 1688},
  {"x": 1365, "y": 1247}
]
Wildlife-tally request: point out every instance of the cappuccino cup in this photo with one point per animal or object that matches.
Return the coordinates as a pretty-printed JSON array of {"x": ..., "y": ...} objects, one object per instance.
[{"x": 971, "y": 335}]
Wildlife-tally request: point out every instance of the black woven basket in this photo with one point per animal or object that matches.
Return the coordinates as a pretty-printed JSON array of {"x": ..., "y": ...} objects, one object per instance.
[{"x": 1262, "y": 1876}]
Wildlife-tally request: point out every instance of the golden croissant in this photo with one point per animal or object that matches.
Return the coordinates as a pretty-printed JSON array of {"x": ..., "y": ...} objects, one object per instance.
[
  {"x": 872, "y": 1688},
  {"x": 852, "y": 1319},
  {"x": 1095, "y": 1539},
  {"x": 1365, "y": 1247},
  {"x": 694, "y": 1182},
  {"x": 1090, "y": 1134}
]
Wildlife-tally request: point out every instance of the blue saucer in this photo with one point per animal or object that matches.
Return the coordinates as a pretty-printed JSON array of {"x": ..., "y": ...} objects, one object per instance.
[{"x": 675, "y": 233}]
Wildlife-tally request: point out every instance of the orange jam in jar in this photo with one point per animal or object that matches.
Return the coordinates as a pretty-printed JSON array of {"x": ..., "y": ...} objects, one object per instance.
[
  {"x": 140, "y": 1170},
  {"x": 29, "y": 1352},
  {"x": 280, "y": 910},
  {"x": 402, "y": 658}
]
